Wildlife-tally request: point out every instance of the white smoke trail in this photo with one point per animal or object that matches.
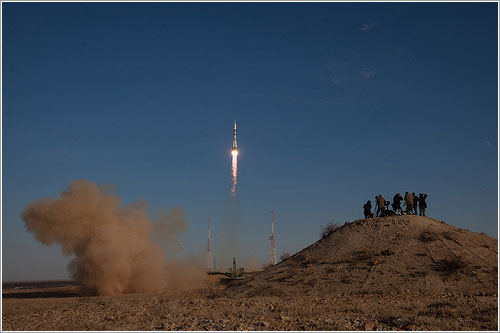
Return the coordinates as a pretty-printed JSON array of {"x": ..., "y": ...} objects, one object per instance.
[{"x": 234, "y": 171}]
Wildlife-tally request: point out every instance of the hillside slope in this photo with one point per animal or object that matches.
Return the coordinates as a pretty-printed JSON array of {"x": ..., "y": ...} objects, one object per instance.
[{"x": 385, "y": 255}]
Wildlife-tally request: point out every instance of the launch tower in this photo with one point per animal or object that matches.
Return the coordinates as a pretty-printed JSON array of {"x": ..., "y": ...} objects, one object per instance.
[
  {"x": 210, "y": 266},
  {"x": 273, "y": 247}
]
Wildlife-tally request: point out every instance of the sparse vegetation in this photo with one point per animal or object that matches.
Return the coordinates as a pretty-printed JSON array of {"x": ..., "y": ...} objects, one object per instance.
[
  {"x": 439, "y": 310},
  {"x": 427, "y": 236},
  {"x": 386, "y": 252},
  {"x": 266, "y": 266},
  {"x": 362, "y": 255},
  {"x": 328, "y": 229},
  {"x": 484, "y": 311},
  {"x": 450, "y": 266},
  {"x": 309, "y": 262},
  {"x": 284, "y": 256},
  {"x": 395, "y": 322},
  {"x": 417, "y": 274}
]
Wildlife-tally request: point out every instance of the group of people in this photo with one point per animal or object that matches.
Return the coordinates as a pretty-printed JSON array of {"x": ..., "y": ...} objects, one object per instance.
[{"x": 411, "y": 202}]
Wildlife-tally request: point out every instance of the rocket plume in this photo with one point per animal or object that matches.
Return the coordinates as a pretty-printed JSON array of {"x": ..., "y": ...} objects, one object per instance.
[
  {"x": 234, "y": 167},
  {"x": 234, "y": 171}
]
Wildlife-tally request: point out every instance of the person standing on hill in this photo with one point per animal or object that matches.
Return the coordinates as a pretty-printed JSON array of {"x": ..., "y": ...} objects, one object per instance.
[
  {"x": 368, "y": 209},
  {"x": 422, "y": 204},
  {"x": 409, "y": 203},
  {"x": 415, "y": 202},
  {"x": 396, "y": 204},
  {"x": 380, "y": 204}
]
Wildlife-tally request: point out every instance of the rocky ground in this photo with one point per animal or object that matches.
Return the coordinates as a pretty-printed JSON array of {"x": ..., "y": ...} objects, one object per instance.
[
  {"x": 212, "y": 309},
  {"x": 394, "y": 273},
  {"x": 381, "y": 255}
]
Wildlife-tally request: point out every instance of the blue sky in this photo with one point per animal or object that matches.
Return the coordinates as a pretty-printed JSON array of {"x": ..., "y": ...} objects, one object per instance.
[{"x": 335, "y": 103}]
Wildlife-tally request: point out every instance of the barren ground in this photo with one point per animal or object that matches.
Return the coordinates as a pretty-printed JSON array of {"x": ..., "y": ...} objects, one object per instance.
[
  {"x": 398, "y": 273},
  {"x": 210, "y": 309}
]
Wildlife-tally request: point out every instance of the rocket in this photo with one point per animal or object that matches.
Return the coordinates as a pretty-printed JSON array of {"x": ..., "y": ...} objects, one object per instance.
[{"x": 235, "y": 144}]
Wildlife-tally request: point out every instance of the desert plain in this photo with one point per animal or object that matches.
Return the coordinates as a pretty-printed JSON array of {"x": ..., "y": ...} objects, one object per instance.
[{"x": 391, "y": 273}]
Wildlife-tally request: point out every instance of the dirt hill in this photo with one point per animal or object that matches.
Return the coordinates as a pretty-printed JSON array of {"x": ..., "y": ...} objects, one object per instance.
[
  {"x": 385, "y": 255},
  {"x": 394, "y": 273}
]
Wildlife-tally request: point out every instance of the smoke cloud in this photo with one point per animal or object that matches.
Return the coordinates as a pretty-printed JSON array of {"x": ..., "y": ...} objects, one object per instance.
[
  {"x": 112, "y": 244},
  {"x": 170, "y": 223}
]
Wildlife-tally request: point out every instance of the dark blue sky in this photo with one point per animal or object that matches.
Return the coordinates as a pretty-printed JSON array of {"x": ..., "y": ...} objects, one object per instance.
[{"x": 335, "y": 103}]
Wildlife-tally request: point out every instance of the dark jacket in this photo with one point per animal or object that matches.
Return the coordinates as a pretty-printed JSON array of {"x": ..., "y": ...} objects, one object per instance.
[
  {"x": 397, "y": 200},
  {"x": 415, "y": 200},
  {"x": 421, "y": 200}
]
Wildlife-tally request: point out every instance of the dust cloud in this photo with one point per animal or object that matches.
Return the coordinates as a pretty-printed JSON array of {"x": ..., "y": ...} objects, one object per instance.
[
  {"x": 171, "y": 222},
  {"x": 113, "y": 246}
]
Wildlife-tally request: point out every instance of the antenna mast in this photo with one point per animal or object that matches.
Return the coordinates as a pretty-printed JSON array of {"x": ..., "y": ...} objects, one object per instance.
[
  {"x": 210, "y": 267},
  {"x": 273, "y": 247}
]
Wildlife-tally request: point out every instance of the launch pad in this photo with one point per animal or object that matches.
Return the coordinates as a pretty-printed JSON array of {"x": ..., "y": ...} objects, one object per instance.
[{"x": 233, "y": 273}]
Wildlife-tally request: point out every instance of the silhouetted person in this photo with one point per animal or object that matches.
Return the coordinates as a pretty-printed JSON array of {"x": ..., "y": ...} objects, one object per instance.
[
  {"x": 396, "y": 203},
  {"x": 415, "y": 203},
  {"x": 367, "y": 209},
  {"x": 380, "y": 204},
  {"x": 409, "y": 203},
  {"x": 422, "y": 204},
  {"x": 387, "y": 211}
]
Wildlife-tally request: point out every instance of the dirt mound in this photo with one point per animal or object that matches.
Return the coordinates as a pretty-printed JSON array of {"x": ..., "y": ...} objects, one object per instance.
[{"x": 385, "y": 255}]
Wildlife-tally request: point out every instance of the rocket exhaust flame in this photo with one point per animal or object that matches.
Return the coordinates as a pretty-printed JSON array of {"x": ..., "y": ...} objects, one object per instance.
[
  {"x": 235, "y": 171},
  {"x": 234, "y": 167}
]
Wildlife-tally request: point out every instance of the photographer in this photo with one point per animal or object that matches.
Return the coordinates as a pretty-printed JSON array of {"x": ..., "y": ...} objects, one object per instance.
[
  {"x": 380, "y": 204},
  {"x": 368, "y": 209},
  {"x": 396, "y": 204},
  {"x": 415, "y": 203},
  {"x": 422, "y": 204},
  {"x": 409, "y": 203}
]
